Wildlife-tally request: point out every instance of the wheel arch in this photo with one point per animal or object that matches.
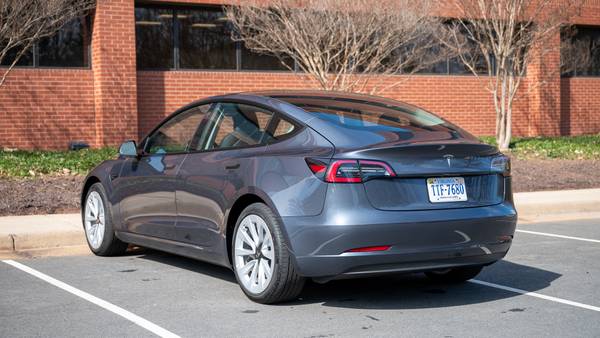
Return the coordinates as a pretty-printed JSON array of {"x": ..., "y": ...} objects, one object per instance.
[
  {"x": 89, "y": 181},
  {"x": 236, "y": 209},
  {"x": 244, "y": 199}
]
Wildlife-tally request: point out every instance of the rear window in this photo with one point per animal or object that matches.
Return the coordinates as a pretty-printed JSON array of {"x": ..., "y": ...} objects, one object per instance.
[{"x": 368, "y": 115}]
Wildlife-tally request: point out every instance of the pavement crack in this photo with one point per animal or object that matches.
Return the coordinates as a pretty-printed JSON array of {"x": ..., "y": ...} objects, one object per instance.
[
  {"x": 372, "y": 318},
  {"x": 250, "y": 311}
]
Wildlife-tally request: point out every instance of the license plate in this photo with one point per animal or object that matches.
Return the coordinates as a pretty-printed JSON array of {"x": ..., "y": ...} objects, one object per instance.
[{"x": 446, "y": 189}]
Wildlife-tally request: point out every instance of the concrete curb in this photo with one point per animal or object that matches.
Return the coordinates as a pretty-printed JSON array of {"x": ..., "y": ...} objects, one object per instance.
[
  {"x": 43, "y": 234},
  {"x": 543, "y": 203}
]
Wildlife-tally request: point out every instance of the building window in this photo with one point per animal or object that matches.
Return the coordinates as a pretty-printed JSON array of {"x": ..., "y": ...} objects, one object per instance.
[
  {"x": 69, "y": 47},
  {"x": 26, "y": 59},
  {"x": 205, "y": 40},
  {"x": 255, "y": 61},
  {"x": 154, "y": 42},
  {"x": 180, "y": 38},
  {"x": 580, "y": 51},
  {"x": 193, "y": 38}
]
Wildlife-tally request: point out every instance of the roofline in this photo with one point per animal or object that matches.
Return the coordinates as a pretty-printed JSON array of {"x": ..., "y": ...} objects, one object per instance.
[{"x": 331, "y": 94}]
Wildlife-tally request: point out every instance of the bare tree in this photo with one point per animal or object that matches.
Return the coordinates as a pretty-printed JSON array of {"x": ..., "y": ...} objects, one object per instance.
[
  {"x": 358, "y": 45},
  {"x": 504, "y": 36},
  {"x": 23, "y": 22}
]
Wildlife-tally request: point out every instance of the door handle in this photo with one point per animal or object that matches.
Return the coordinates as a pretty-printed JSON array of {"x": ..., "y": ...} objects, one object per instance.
[
  {"x": 232, "y": 166},
  {"x": 169, "y": 166}
]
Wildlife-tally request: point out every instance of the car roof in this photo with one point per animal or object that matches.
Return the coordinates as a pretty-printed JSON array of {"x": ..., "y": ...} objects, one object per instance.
[
  {"x": 342, "y": 138},
  {"x": 333, "y": 95},
  {"x": 277, "y": 99}
]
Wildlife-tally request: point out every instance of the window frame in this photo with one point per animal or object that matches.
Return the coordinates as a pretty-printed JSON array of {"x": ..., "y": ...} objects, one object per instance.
[
  {"x": 575, "y": 73},
  {"x": 175, "y": 66},
  {"x": 87, "y": 51},
  {"x": 277, "y": 115},
  {"x": 212, "y": 112}
]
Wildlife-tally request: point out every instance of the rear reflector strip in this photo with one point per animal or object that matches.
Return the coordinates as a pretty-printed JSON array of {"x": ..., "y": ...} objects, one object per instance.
[{"x": 370, "y": 248}]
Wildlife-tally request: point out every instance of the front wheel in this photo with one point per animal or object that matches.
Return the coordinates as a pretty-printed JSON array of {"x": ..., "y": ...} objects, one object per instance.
[
  {"x": 261, "y": 261},
  {"x": 454, "y": 275},
  {"x": 98, "y": 224}
]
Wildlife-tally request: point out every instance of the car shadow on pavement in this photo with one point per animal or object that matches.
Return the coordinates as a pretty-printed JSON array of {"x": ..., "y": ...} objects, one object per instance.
[
  {"x": 187, "y": 264},
  {"x": 404, "y": 291},
  {"x": 416, "y": 291}
]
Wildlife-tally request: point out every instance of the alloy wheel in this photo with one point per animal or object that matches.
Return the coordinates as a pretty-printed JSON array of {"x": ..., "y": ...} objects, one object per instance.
[
  {"x": 254, "y": 254},
  {"x": 94, "y": 219}
]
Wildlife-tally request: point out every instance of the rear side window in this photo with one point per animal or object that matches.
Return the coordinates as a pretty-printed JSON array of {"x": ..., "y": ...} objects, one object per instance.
[
  {"x": 237, "y": 125},
  {"x": 234, "y": 125},
  {"x": 365, "y": 115},
  {"x": 283, "y": 128}
]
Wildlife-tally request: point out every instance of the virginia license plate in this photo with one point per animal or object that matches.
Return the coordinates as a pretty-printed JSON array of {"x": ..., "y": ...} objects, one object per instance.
[{"x": 446, "y": 189}]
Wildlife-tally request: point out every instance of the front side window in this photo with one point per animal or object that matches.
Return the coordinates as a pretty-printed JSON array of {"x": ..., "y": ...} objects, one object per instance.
[{"x": 177, "y": 134}]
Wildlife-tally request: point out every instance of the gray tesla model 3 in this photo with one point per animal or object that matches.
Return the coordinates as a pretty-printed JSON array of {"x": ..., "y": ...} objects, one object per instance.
[{"x": 283, "y": 186}]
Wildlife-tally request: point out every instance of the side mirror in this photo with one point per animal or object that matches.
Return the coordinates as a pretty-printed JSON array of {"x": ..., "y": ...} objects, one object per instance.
[{"x": 128, "y": 149}]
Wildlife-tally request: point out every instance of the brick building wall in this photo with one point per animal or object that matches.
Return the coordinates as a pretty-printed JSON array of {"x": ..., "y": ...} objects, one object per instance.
[
  {"x": 461, "y": 99},
  {"x": 114, "y": 68},
  {"x": 44, "y": 109},
  {"x": 112, "y": 101}
]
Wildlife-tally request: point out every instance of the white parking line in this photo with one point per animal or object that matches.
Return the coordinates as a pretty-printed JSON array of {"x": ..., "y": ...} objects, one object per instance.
[
  {"x": 159, "y": 331},
  {"x": 537, "y": 295},
  {"x": 558, "y": 236}
]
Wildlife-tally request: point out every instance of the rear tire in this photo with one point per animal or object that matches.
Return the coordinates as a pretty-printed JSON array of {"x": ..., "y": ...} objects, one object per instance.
[
  {"x": 252, "y": 262},
  {"x": 98, "y": 224},
  {"x": 454, "y": 275}
]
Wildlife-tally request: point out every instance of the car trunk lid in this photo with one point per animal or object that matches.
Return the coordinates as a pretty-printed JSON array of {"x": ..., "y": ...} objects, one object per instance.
[{"x": 414, "y": 164}]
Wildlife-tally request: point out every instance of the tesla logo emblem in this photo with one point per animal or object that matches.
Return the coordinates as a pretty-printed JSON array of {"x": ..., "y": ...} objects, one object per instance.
[{"x": 449, "y": 158}]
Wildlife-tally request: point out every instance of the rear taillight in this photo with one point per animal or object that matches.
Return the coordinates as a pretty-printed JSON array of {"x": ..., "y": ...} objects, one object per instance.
[
  {"x": 349, "y": 171},
  {"x": 317, "y": 167},
  {"x": 373, "y": 169},
  {"x": 343, "y": 171}
]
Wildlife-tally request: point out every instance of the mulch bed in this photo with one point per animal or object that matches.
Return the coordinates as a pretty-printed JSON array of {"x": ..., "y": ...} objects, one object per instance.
[
  {"x": 40, "y": 195},
  {"x": 60, "y": 194},
  {"x": 537, "y": 175}
]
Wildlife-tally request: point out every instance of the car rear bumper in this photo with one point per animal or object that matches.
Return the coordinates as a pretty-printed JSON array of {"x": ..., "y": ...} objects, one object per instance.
[{"x": 419, "y": 240}]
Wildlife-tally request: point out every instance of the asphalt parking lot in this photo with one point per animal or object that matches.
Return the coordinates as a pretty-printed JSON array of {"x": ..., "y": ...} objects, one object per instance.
[{"x": 151, "y": 293}]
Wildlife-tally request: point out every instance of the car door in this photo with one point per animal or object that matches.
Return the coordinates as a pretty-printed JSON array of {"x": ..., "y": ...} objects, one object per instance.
[
  {"x": 216, "y": 168},
  {"x": 146, "y": 185}
]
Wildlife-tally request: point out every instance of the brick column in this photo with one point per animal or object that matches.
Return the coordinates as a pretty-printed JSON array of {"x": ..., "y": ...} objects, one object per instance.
[
  {"x": 114, "y": 68},
  {"x": 544, "y": 116}
]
